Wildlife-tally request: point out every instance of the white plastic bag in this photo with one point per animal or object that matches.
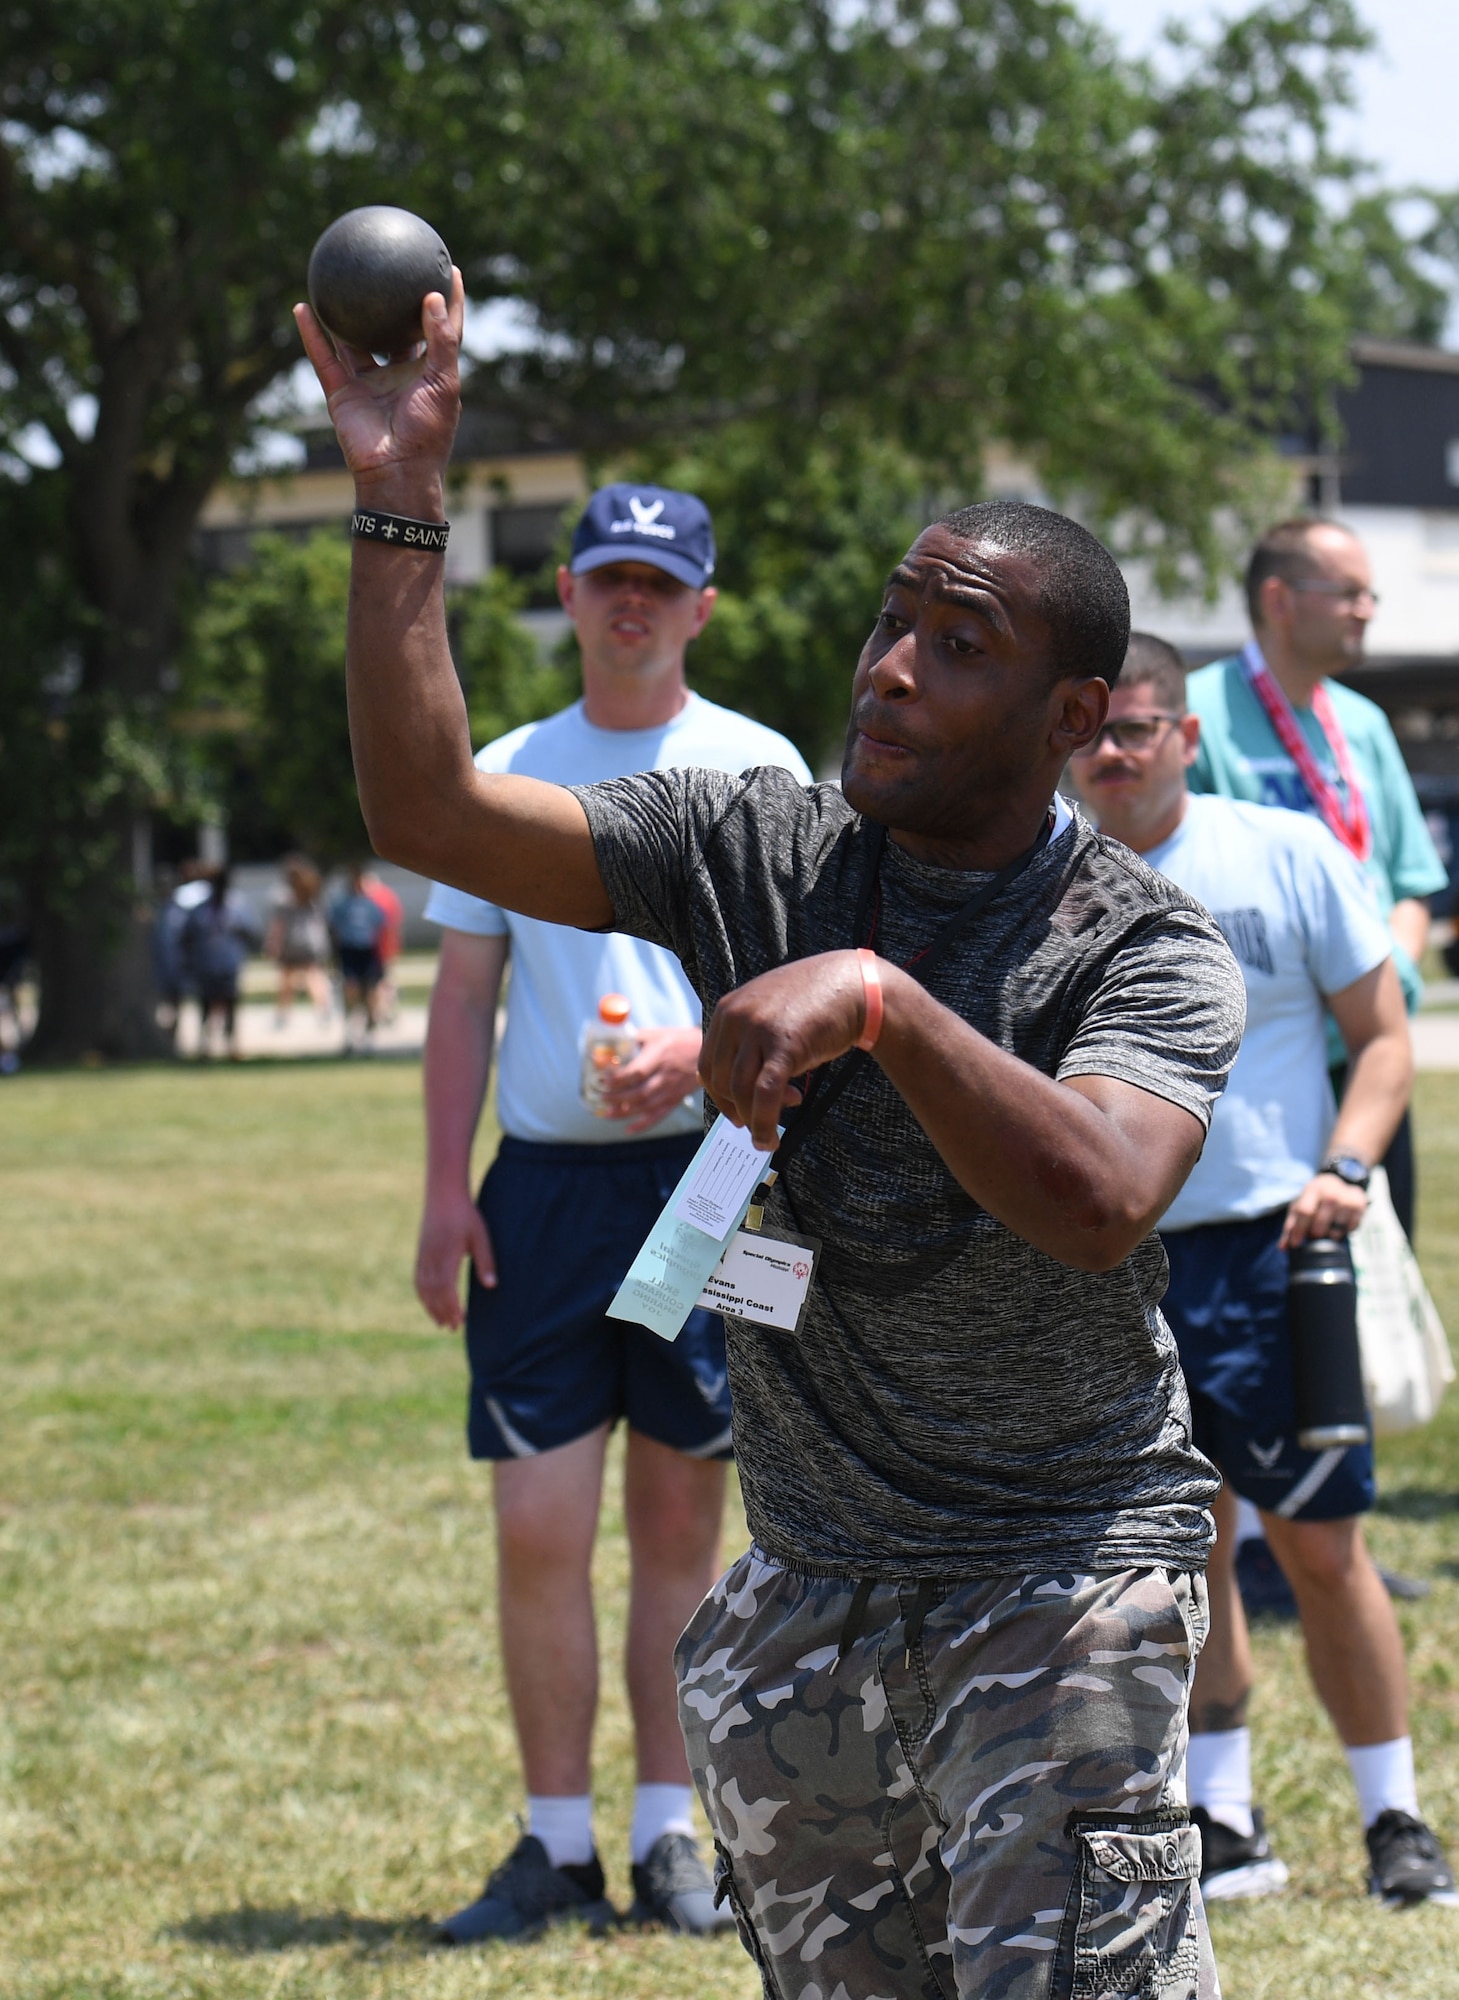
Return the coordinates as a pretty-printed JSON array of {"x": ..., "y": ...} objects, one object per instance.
[{"x": 1406, "y": 1361}]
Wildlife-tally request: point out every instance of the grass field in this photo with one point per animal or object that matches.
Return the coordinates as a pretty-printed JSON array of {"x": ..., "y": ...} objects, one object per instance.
[{"x": 253, "y": 1727}]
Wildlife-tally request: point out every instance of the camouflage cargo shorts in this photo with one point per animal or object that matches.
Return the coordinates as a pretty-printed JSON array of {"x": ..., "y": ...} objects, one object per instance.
[{"x": 975, "y": 1790}]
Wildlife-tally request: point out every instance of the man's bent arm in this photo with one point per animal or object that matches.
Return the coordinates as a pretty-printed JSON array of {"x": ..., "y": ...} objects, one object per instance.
[
  {"x": 508, "y": 840},
  {"x": 456, "y": 1061},
  {"x": 460, "y": 1030},
  {"x": 1373, "y": 1022},
  {"x": 1081, "y": 1169}
]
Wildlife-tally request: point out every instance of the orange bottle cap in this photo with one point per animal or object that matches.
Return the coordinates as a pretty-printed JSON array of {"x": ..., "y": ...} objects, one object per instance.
[{"x": 614, "y": 1009}]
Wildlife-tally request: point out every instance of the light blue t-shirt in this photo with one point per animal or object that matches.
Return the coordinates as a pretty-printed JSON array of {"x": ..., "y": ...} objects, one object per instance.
[
  {"x": 1299, "y": 916},
  {"x": 1241, "y": 757},
  {"x": 559, "y": 975}
]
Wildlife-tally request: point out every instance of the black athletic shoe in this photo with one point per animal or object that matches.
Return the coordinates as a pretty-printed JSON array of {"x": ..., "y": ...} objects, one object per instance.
[
  {"x": 1407, "y": 1863},
  {"x": 526, "y": 1894},
  {"x": 1235, "y": 1864},
  {"x": 672, "y": 1887}
]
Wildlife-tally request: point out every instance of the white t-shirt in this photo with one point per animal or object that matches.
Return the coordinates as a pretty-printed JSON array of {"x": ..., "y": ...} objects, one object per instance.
[
  {"x": 559, "y": 975},
  {"x": 1301, "y": 920}
]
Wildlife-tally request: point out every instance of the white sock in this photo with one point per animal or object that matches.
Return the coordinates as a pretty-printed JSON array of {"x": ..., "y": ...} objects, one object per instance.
[
  {"x": 1218, "y": 1777},
  {"x": 1383, "y": 1774},
  {"x": 659, "y": 1809},
  {"x": 565, "y": 1828}
]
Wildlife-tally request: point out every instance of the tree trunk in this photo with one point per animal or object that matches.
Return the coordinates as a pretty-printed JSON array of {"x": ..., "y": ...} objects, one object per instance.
[{"x": 93, "y": 954}]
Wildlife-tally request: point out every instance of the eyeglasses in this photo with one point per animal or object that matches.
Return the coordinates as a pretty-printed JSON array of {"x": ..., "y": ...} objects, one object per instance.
[
  {"x": 1131, "y": 732},
  {"x": 1340, "y": 593}
]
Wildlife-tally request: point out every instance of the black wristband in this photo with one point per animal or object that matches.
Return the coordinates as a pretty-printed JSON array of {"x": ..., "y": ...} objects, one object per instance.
[{"x": 400, "y": 531}]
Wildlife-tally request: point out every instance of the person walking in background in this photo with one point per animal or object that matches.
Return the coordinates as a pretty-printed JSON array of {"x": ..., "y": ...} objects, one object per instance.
[
  {"x": 380, "y": 893},
  {"x": 298, "y": 940},
  {"x": 1278, "y": 728},
  {"x": 355, "y": 923},
  {"x": 1277, "y": 1170},
  {"x": 563, "y": 1210},
  {"x": 218, "y": 934},
  {"x": 193, "y": 887}
]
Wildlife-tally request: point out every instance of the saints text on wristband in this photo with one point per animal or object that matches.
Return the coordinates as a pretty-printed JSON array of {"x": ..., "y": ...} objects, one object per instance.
[
  {"x": 400, "y": 531},
  {"x": 871, "y": 997}
]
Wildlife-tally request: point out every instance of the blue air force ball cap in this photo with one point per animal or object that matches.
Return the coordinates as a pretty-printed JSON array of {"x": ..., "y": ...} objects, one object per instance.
[{"x": 647, "y": 524}]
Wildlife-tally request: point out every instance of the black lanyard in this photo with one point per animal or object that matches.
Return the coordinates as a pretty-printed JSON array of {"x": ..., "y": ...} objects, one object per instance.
[{"x": 828, "y": 1084}]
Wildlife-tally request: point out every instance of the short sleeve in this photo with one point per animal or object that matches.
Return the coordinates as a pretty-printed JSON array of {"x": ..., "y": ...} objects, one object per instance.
[
  {"x": 1167, "y": 1016},
  {"x": 649, "y": 833},
  {"x": 454, "y": 910},
  {"x": 1344, "y": 934}
]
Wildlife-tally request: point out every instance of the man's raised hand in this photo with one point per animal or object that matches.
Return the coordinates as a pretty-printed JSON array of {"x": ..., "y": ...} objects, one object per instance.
[{"x": 395, "y": 420}]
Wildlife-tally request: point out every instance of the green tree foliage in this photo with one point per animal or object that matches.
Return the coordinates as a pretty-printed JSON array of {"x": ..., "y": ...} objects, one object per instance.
[
  {"x": 266, "y": 663},
  {"x": 262, "y": 699},
  {"x": 937, "y": 222},
  {"x": 807, "y": 529},
  {"x": 504, "y": 676}
]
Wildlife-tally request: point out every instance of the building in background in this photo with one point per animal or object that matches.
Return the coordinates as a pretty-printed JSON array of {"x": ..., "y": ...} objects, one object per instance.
[
  {"x": 509, "y": 489},
  {"x": 1396, "y": 485}
]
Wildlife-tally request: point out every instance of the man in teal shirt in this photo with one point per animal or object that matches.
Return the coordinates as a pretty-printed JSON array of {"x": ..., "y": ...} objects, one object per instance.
[{"x": 1278, "y": 729}]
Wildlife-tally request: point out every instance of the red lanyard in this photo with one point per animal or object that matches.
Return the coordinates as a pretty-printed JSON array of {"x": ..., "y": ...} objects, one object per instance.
[{"x": 1348, "y": 821}]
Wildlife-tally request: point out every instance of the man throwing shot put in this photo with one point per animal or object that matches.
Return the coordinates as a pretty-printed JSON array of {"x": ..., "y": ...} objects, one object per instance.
[
  {"x": 563, "y": 1210},
  {"x": 1277, "y": 1170},
  {"x": 937, "y": 1714}
]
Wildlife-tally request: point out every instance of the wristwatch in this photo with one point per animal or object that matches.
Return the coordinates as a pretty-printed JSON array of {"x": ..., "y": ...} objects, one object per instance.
[{"x": 1348, "y": 1168}]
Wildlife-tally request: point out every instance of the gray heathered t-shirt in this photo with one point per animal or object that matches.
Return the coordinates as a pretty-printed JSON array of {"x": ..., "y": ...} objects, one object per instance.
[{"x": 956, "y": 1403}]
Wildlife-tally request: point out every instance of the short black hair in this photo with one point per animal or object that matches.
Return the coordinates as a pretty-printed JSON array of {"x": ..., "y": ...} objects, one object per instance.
[
  {"x": 1153, "y": 662},
  {"x": 1081, "y": 593},
  {"x": 1283, "y": 551}
]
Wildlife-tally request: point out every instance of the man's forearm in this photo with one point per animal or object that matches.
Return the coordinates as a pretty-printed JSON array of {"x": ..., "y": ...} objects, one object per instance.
[
  {"x": 455, "y": 1069},
  {"x": 1380, "y": 1077},
  {"x": 1042, "y": 1156},
  {"x": 408, "y": 726}
]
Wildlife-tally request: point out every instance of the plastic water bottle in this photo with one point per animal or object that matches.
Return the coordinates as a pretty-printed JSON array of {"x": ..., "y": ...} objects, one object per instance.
[
  {"x": 1322, "y": 1319},
  {"x": 607, "y": 1043}
]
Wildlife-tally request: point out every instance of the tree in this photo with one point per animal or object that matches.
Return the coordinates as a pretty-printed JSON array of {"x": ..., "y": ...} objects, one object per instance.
[
  {"x": 807, "y": 529},
  {"x": 938, "y": 222},
  {"x": 262, "y": 696}
]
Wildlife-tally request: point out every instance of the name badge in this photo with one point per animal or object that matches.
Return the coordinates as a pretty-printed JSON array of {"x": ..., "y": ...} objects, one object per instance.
[
  {"x": 764, "y": 1278},
  {"x": 687, "y": 1242}
]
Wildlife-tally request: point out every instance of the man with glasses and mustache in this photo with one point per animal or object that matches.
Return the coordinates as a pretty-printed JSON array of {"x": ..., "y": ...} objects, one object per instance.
[
  {"x": 1279, "y": 728},
  {"x": 1279, "y": 1168}
]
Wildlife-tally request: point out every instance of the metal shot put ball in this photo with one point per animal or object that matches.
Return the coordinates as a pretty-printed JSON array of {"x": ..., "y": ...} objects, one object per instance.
[{"x": 369, "y": 274}]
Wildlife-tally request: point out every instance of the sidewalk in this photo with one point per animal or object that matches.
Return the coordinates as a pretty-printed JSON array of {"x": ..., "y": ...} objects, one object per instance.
[
  {"x": 261, "y": 1035},
  {"x": 1435, "y": 1040}
]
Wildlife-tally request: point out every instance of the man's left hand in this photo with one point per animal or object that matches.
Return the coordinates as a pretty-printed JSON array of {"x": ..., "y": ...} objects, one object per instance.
[
  {"x": 1327, "y": 1206},
  {"x": 663, "y": 1073}
]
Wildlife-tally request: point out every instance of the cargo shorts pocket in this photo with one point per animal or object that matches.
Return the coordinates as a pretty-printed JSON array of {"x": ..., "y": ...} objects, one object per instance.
[
  {"x": 727, "y": 1890},
  {"x": 1132, "y": 1925}
]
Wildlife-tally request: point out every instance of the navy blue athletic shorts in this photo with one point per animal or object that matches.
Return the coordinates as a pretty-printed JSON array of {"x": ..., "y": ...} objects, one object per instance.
[
  {"x": 1227, "y": 1307},
  {"x": 547, "y": 1365}
]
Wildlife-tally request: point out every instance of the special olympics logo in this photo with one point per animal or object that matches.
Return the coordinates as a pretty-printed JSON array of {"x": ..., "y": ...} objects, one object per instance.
[{"x": 801, "y": 1270}]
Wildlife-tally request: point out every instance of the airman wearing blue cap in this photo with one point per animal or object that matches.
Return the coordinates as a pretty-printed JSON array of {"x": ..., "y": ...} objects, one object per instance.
[{"x": 561, "y": 1214}]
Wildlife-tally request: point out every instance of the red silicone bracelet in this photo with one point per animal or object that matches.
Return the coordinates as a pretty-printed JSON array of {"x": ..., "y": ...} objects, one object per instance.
[{"x": 872, "y": 996}]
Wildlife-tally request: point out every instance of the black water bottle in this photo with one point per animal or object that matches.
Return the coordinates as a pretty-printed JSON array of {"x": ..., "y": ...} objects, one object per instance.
[{"x": 1322, "y": 1320}]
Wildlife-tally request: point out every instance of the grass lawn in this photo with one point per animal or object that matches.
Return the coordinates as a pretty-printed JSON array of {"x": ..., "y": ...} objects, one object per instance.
[{"x": 252, "y": 1729}]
